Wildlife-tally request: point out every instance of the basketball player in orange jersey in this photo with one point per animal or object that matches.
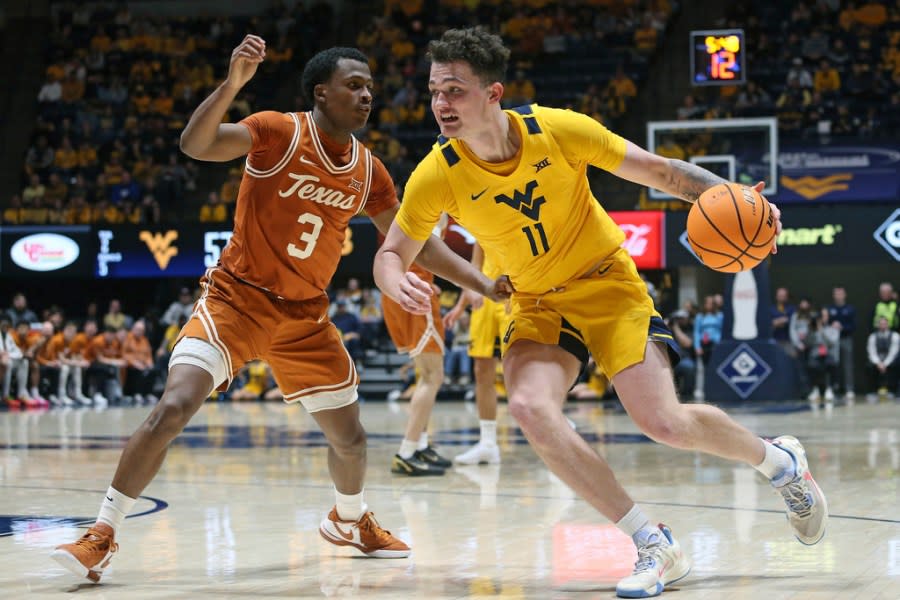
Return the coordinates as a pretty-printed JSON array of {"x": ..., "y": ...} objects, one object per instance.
[
  {"x": 422, "y": 337},
  {"x": 517, "y": 181},
  {"x": 306, "y": 176}
]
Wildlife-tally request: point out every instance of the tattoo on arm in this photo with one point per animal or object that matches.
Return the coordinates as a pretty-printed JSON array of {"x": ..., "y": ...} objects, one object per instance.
[{"x": 687, "y": 180}]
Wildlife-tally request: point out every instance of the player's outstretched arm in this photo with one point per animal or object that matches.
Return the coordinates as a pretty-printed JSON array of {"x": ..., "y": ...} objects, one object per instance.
[
  {"x": 205, "y": 137},
  {"x": 675, "y": 177}
]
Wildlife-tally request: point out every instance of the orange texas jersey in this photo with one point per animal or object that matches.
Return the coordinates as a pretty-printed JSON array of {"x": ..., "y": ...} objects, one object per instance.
[{"x": 297, "y": 196}]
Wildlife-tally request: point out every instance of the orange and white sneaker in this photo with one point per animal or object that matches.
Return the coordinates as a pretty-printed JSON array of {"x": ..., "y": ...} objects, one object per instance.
[
  {"x": 366, "y": 535},
  {"x": 89, "y": 555}
]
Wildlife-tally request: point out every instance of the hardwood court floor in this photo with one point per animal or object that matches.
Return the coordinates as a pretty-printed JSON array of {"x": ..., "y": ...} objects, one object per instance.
[{"x": 235, "y": 509}]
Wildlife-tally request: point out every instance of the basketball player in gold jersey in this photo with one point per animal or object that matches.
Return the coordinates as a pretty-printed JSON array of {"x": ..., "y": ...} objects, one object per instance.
[
  {"x": 516, "y": 180},
  {"x": 306, "y": 177}
]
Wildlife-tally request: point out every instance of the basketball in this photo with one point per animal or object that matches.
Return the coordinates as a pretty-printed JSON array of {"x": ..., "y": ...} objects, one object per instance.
[{"x": 731, "y": 228}]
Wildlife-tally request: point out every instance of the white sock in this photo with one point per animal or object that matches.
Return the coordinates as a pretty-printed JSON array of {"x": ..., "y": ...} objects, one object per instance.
[
  {"x": 488, "y": 432},
  {"x": 634, "y": 521},
  {"x": 408, "y": 448},
  {"x": 778, "y": 465},
  {"x": 115, "y": 508},
  {"x": 350, "y": 507},
  {"x": 423, "y": 441}
]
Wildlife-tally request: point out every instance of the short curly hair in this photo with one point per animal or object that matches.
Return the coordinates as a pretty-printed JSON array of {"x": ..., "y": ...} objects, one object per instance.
[
  {"x": 322, "y": 66},
  {"x": 483, "y": 50}
]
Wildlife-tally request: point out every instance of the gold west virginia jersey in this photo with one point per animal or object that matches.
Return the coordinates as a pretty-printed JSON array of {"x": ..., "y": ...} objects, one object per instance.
[{"x": 534, "y": 214}]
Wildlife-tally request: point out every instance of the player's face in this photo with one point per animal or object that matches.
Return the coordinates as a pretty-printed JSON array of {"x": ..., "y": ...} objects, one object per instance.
[
  {"x": 347, "y": 95},
  {"x": 459, "y": 99}
]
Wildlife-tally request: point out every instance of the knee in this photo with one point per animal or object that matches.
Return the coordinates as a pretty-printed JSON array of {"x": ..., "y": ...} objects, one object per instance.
[
  {"x": 169, "y": 417},
  {"x": 530, "y": 414},
  {"x": 351, "y": 443},
  {"x": 672, "y": 428}
]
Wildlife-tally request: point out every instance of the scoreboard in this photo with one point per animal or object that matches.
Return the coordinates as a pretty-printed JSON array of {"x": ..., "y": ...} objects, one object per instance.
[{"x": 717, "y": 57}]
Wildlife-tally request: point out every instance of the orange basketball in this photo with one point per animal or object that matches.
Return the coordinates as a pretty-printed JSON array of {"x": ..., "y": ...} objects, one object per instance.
[{"x": 731, "y": 228}]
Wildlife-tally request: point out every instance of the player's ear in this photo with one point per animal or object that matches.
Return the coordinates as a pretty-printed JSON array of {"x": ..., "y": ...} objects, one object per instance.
[
  {"x": 319, "y": 93},
  {"x": 495, "y": 91}
]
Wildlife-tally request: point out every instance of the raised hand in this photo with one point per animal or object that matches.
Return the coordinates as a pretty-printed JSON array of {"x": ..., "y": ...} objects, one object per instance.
[{"x": 245, "y": 59}]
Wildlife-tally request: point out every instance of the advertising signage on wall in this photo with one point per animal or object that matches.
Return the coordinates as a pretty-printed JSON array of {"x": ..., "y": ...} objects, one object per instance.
[
  {"x": 838, "y": 173},
  {"x": 820, "y": 235},
  {"x": 189, "y": 251},
  {"x": 64, "y": 251}
]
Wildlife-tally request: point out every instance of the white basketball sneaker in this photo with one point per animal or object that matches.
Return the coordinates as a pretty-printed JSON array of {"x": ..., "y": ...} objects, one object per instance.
[
  {"x": 807, "y": 510},
  {"x": 479, "y": 454},
  {"x": 660, "y": 563}
]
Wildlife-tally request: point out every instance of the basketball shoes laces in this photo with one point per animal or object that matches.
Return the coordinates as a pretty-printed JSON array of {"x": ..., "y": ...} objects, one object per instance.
[
  {"x": 807, "y": 509},
  {"x": 366, "y": 535},
  {"x": 89, "y": 555},
  {"x": 660, "y": 562}
]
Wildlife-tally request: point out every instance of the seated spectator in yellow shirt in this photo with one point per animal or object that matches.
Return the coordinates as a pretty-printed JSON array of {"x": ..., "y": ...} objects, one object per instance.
[{"x": 213, "y": 211}]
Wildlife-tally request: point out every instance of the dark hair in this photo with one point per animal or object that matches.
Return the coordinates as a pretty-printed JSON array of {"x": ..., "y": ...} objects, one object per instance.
[
  {"x": 321, "y": 67},
  {"x": 483, "y": 50}
]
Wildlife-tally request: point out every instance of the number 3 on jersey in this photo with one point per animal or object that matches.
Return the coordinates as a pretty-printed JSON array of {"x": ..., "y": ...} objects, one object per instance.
[{"x": 309, "y": 238}]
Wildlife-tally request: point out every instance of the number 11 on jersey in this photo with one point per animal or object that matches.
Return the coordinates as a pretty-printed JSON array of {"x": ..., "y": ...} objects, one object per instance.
[{"x": 539, "y": 227}]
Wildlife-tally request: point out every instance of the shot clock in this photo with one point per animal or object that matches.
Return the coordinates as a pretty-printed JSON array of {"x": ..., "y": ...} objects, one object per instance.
[{"x": 717, "y": 57}]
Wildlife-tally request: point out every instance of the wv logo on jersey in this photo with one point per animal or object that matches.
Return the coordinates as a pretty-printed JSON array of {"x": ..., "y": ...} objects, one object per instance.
[
  {"x": 524, "y": 202},
  {"x": 160, "y": 246}
]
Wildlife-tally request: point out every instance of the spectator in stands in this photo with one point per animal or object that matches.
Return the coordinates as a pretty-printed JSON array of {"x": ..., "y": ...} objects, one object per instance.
[
  {"x": 29, "y": 342},
  {"x": 883, "y": 351},
  {"x": 353, "y": 295},
  {"x": 801, "y": 324},
  {"x": 138, "y": 356},
  {"x": 689, "y": 108},
  {"x": 839, "y": 55},
  {"x": 66, "y": 157},
  {"x": 682, "y": 325},
  {"x": 115, "y": 318},
  {"x": 752, "y": 100},
  {"x": 799, "y": 74},
  {"x": 621, "y": 85},
  {"x": 50, "y": 92},
  {"x": 213, "y": 210},
  {"x": 827, "y": 80},
  {"x": 19, "y": 310},
  {"x": 707, "y": 329},
  {"x": 823, "y": 359},
  {"x": 348, "y": 326},
  {"x": 887, "y": 307},
  {"x": 815, "y": 45},
  {"x": 782, "y": 310},
  {"x": 520, "y": 90},
  {"x": 792, "y": 105},
  {"x": 104, "y": 371},
  {"x": 34, "y": 192},
  {"x": 12, "y": 363},
  {"x": 255, "y": 382},
  {"x": 170, "y": 336},
  {"x": 456, "y": 360},
  {"x": 371, "y": 320},
  {"x": 13, "y": 213},
  {"x": 126, "y": 191},
  {"x": 670, "y": 148},
  {"x": 182, "y": 307},
  {"x": 56, "y": 190},
  {"x": 645, "y": 36},
  {"x": 229, "y": 190},
  {"x": 842, "y": 316},
  {"x": 82, "y": 353}
]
